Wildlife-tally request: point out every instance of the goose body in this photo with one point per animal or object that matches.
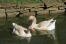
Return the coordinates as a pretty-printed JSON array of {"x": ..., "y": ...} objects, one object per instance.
[
  {"x": 47, "y": 26},
  {"x": 21, "y": 31},
  {"x": 50, "y": 26},
  {"x": 44, "y": 25}
]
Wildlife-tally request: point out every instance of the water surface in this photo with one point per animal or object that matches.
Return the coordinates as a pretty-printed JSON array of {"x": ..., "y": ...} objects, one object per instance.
[{"x": 7, "y": 38}]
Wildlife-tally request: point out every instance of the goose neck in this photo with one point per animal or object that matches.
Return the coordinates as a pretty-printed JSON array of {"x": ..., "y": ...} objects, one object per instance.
[{"x": 34, "y": 21}]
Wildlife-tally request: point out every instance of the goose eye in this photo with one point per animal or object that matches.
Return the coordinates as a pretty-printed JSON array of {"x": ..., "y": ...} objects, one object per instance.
[{"x": 25, "y": 31}]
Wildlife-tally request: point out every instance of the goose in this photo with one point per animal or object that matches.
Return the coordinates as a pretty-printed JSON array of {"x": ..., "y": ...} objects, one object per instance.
[
  {"x": 21, "y": 31},
  {"x": 44, "y": 25},
  {"x": 47, "y": 26}
]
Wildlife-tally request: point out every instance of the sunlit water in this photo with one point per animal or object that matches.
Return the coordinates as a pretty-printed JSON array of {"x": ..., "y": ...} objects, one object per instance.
[{"x": 6, "y": 37}]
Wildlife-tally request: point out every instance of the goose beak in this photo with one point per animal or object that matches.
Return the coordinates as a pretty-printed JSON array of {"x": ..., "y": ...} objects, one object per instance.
[{"x": 33, "y": 29}]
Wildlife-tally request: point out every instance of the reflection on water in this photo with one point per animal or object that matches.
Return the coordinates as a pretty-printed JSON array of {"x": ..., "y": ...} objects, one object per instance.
[
  {"x": 6, "y": 37},
  {"x": 28, "y": 39}
]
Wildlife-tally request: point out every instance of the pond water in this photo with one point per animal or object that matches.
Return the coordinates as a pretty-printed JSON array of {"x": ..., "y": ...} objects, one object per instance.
[{"x": 7, "y": 38}]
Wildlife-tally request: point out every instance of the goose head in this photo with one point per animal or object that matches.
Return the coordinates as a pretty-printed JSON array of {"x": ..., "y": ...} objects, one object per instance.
[{"x": 31, "y": 18}]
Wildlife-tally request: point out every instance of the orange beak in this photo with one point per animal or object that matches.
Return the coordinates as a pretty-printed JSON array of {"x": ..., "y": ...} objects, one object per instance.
[{"x": 33, "y": 29}]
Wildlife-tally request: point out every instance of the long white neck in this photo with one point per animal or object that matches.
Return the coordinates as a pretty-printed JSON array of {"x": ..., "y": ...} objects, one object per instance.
[{"x": 34, "y": 21}]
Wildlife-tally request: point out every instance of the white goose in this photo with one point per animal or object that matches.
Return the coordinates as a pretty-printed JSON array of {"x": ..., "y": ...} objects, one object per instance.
[
  {"x": 44, "y": 25},
  {"x": 21, "y": 31}
]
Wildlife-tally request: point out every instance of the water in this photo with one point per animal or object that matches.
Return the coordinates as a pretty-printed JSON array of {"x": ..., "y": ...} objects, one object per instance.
[{"x": 6, "y": 37}]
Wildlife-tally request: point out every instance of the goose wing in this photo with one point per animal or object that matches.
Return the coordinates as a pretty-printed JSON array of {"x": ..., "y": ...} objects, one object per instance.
[{"x": 45, "y": 23}]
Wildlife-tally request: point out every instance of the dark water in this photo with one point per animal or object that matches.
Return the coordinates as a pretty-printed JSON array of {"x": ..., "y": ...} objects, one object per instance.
[{"x": 7, "y": 38}]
